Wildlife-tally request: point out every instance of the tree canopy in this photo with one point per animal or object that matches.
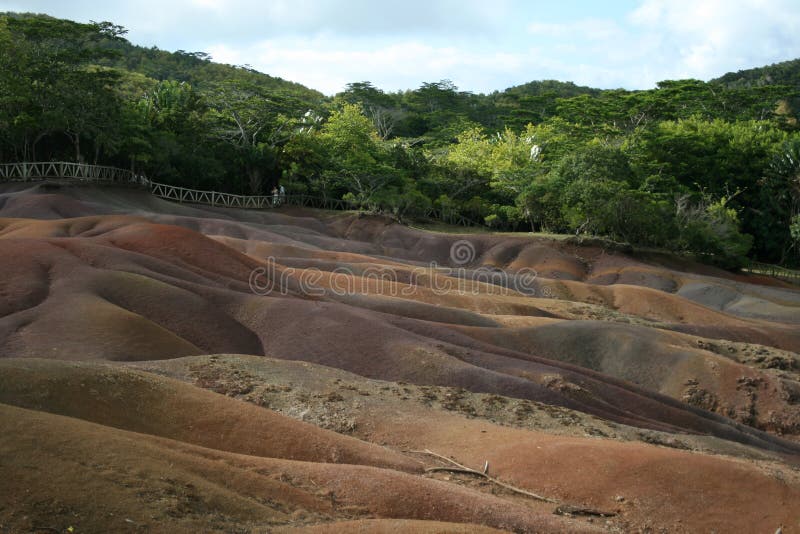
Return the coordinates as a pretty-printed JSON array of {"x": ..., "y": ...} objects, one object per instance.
[{"x": 704, "y": 167}]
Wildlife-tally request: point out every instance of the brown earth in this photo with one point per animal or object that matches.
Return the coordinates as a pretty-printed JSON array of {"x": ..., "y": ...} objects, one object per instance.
[{"x": 661, "y": 390}]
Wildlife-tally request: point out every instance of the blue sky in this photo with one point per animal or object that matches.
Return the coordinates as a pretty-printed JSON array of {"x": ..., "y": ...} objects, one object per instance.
[{"x": 481, "y": 45}]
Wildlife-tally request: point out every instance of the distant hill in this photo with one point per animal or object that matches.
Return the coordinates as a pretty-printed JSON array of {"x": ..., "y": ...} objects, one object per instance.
[
  {"x": 544, "y": 87},
  {"x": 196, "y": 68},
  {"x": 783, "y": 73}
]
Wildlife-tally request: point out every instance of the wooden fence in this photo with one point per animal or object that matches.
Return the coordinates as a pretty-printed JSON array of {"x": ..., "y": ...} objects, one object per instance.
[
  {"x": 229, "y": 200},
  {"x": 84, "y": 173},
  {"x": 211, "y": 198},
  {"x": 79, "y": 172},
  {"x": 775, "y": 271}
]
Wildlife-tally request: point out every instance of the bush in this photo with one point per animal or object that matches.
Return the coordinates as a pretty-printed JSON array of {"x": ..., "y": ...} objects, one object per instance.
[
  {"x": 492, "y": 221},
  {"x": 711, "y": 230}
]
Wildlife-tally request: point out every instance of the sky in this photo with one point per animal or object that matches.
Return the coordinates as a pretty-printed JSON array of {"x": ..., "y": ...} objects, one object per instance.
[{"x": 481, "y": 45}]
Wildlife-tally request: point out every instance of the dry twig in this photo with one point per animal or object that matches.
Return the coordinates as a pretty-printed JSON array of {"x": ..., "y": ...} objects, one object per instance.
[{"x": 466, "y": 470}]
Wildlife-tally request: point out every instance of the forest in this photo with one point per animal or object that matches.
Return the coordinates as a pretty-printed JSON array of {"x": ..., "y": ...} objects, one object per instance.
[{"x": 710, "y": 169}]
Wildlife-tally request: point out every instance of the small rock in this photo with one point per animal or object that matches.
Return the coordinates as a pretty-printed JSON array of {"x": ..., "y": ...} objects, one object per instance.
[{"x": 619, "y": 498}]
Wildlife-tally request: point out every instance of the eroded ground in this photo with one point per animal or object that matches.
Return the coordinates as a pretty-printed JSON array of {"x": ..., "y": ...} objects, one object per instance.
[{"x": 148, "y": 386}]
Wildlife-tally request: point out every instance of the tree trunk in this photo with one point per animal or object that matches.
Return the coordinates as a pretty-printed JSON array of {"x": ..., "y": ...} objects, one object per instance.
[
  {"x": 529, "y": 216},
  {"x": 254, "y": 175}
]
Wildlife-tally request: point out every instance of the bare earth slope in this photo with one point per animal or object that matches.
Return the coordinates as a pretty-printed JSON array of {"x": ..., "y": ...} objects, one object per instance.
[{"x": 568, "y": 367}]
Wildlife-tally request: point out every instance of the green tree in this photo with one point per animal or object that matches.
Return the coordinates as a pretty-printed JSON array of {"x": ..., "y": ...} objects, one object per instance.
[
  {"x": 380, "y": 107},
  {"x": 710, "y": 229},
  {"x": 780, "y": 194},
  {"x": 357, "y": 156},
  {"x": 255, "y": 123},
  {"x": 600, "y": 195},
  {"x": 50, "y": 86}
]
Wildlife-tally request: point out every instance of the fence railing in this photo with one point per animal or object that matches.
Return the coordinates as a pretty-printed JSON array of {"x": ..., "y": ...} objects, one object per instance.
[
  {"x": 85, "y": 173},
  {"x": 775, "y": 271},
  {"x": 211, "y": 198},
  {"x": 229, "y": 200},
  {"x": 81, "y": 172}
]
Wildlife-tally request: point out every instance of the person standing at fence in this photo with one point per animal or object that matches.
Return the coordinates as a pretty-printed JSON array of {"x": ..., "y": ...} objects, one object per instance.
[
  {"x": 275, "y": 196},
  {"x": 282, "y": 191}
]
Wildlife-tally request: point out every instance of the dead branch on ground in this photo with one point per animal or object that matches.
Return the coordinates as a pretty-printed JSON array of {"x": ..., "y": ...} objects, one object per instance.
[{"x": 458, "y": 468}]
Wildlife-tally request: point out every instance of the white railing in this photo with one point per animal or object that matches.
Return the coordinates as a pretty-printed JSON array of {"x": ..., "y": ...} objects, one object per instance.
[
  {"x": 81, "y": 172},
  {"x": 85, "y": 173},
  {"x": 775, "y": 271},
  {"x": 211, "y": 198}
]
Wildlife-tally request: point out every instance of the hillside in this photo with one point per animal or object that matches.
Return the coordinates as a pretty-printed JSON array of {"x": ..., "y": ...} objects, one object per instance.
[
  {"x": 196, "y": 68},
  {"x": 785, "y": 73},
  {"x": 199, "y": 69}
]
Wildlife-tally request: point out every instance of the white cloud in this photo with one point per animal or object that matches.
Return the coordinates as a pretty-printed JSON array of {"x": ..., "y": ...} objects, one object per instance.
[
  {"x": 328, "y": 65},
  {"x": 670, "y": 39},
  {"x": 661, "y": 39},
  {"x": 706, "y": 38}
]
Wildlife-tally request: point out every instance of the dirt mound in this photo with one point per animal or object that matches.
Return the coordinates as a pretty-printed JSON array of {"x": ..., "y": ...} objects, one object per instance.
[
  {"x": 346, "y": 403},
  {"x": 648, "y": 486},
  {"x": 700, "y": 372},
  {"x": 77, "y": 298},
  {"x": 148, "y": 404},
  {"x": 597, "y": 465},
  {"x": 130, "y": 481}
]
